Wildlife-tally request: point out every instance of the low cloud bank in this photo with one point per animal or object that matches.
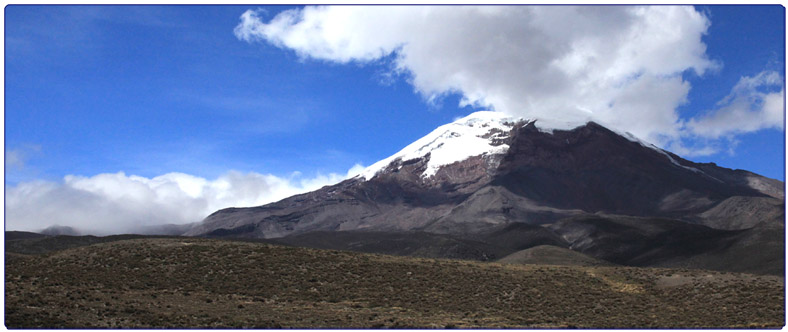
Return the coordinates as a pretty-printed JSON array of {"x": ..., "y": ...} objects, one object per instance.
[{"x": 115, "y": 203}]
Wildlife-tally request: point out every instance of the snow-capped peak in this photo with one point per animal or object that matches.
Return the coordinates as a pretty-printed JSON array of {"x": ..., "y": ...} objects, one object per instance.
[
  {"x": 470, "y": 136},
  {"x": 480, "y": 133}
]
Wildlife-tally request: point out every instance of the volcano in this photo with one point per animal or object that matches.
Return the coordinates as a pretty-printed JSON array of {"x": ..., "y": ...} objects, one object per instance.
[{"x": 487, "y": 186}]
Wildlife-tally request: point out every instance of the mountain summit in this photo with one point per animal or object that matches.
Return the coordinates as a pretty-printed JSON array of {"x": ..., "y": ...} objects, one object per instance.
[{"x": 487, "y": 177}]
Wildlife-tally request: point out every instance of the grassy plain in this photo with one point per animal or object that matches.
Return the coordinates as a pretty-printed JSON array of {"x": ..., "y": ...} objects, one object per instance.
[{"x": 205, "y": 283}]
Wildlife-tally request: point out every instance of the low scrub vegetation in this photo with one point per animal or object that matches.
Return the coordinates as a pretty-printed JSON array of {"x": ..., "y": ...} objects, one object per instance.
[{"x": 202, "y": 283}]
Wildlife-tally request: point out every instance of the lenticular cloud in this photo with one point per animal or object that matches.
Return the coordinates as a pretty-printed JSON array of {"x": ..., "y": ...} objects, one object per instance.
[{"x": 618, "y": 65}]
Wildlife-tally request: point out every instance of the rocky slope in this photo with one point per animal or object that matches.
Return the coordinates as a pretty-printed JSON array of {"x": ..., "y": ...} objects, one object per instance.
[{"x": 482, "y": 173}]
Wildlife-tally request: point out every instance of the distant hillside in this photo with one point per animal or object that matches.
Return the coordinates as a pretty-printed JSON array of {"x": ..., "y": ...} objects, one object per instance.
[
  {"x": 19, "y": 235},
  {"x": 60, "y": 230},
  {"x": 33, "y": 243},
  {"x": 552, "y": 255}
]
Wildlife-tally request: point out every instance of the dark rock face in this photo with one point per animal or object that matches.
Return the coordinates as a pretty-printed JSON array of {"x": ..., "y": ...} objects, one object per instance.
[
  {"x": 596, "y": 170},
  {"x": 588, "y": 189}
]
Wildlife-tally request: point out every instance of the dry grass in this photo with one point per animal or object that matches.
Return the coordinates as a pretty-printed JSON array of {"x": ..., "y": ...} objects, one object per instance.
[{"x": 214, "y": 283}]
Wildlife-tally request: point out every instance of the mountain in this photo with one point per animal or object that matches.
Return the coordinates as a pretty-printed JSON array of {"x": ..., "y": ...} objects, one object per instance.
[
  {"x": 166, "y": 229},
  {"x": 498, "y": 185},
  {"x": 60, "y": 230},
  {"x": 20, "y": 235}
]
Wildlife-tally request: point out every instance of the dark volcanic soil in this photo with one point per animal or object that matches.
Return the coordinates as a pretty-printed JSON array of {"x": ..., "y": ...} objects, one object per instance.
[{"x": 217, "y": 283}]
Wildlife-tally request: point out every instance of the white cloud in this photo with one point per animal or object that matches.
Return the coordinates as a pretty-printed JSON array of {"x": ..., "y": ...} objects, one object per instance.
[
  {"x": 621, "y": 66},
  {"x": 755, "y": 103},
  {"x": 617, "y": 65},
  {"x": 701, "y": 151},
  {"x": 355, "y": 170},
  {"x": 120, "y": 203}
]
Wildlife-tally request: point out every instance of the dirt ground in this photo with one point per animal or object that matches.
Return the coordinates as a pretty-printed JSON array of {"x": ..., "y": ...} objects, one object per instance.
[{"x": 201, "y": 283}]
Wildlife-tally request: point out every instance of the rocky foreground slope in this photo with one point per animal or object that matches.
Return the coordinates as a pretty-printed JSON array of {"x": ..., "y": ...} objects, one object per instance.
[{"x": 207, "y": 283}]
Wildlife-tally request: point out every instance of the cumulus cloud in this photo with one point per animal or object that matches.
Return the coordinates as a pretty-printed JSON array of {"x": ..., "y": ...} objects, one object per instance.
[
  {"x": 621, "y": 66},
  {"x": 119, "y": 203},
  {"x": 617, "y": 65}
]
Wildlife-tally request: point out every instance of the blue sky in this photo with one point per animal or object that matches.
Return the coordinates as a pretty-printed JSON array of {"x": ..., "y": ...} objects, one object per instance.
[
  {"x": 745, "y": 39},
  {"x": 152, "y": 90}
]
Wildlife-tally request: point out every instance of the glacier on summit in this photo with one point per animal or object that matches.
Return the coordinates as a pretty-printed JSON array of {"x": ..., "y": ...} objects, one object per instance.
[
  {"x": 480, "y": 133},
  {"x": 470, "y": 136}
]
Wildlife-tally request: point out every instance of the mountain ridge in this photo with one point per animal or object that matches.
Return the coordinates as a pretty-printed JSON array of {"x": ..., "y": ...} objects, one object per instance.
[{"x": 530, "y": 175}]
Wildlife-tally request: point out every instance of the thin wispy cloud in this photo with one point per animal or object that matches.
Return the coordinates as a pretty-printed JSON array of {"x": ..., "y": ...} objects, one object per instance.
[
  {"x": 755, "y": 103},
  {"x": 16, "y": 158},
  {"x": 260, "y": 114}
]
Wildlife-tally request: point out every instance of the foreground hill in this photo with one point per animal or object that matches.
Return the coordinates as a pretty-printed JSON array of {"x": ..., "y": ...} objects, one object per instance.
[{"x": 187, "y": 282}]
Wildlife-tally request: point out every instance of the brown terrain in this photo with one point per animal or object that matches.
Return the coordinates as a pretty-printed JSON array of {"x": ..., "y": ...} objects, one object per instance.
[{"x": 210, "y": 283}]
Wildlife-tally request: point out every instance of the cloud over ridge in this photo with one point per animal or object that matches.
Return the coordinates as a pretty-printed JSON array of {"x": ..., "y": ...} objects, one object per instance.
[
  {"x": 113, "y": 203},
  {"x": 622, "y": 66}
]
